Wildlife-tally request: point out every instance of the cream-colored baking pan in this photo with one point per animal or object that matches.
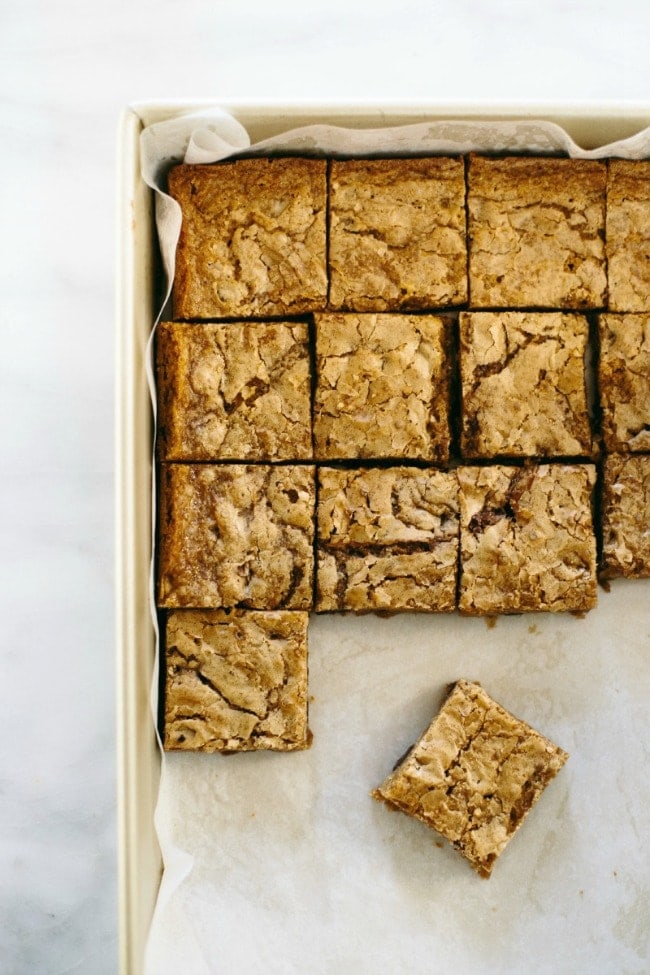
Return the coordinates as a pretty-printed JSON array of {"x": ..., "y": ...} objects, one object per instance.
[{"x": 138, "y": 288}]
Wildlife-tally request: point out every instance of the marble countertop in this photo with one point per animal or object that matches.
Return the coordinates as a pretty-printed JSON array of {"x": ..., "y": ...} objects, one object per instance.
[{"x": 66, "y": 72}]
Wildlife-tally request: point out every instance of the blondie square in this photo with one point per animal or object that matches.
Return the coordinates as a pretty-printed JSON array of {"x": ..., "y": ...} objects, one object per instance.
[
  {"x": 397, "y": 234},
  {"x": 474, "y": 775},
  {"x": 626, "y": 516},
  {"x": 236, "y": 535},
  {"x": 624, "y": 380},
  {"x": 387, "y": 540},
  {"x": 523, "y": 385},
  {"x": 236, "y": 391},
  {"x": 235, "y": 681},
  {"x": 628, "y": 235},
  {"x": 253, "y": 238},
  {"x": 536, "y": 233},
  {"x": 527, "y": 540},
  {"x": 382, "y": 387}
]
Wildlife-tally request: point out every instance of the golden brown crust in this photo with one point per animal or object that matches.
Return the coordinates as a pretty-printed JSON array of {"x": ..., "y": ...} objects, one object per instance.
[
  {"x": 536, "y": 229},
  {"x": 624, "y": 381},
  {"x": 237, "y": 391},
  {"x": 235, "y": 535},
  {"x": 382, "y": 387},
  {"x": 626, "y": 517},
  {"x": 235, "y": 681},
  {"x": 387, "y": 540},
  {"x": 628, "y": 235},
  {"x": 527, "y": 540},
  {"x": 523, "y": 385},
  {"x": 397, "y": 234},
  {"x": 253, "y": 238},
  {"x": 474, "y": 775}
]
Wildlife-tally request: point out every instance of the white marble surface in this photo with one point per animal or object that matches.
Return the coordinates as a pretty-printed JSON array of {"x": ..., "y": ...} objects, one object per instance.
[{"x": 66, "y": 70}]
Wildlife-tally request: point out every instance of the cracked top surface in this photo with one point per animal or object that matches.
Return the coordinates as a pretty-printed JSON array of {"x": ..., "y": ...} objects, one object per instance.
[
  {"x": 236, "y": 536},
  {"x": 236, "y": 681},
  {"x": 536, "y": 233},
  {"x": 624, "y": 380},
  {"x": 238, "y": 391},
  {"x": 474, "y": 775},
  {"x": 527, "y": 540},
  {"x": 628, "y": 234},
  {"x": 253, "y": 238},
  {"x": 387, "y": 539},
  {"x": 397, "y": 234},
  {"x": 626, "y": 517},
  {"x": 382, "y": 387},
  {"x": 523, "y": 380}
]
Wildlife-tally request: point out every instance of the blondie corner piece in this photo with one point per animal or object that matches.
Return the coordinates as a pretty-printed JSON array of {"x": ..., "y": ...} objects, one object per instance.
[
  {"x": 253, "y": 238},
  {"x": 236, "y": 681},
  {"x": 474, "y": 775},
  {"x": 626, "y": 517}
]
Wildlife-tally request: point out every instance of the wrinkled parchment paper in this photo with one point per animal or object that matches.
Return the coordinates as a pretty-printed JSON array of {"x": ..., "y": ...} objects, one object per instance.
[{"x": 281, "y": 863}]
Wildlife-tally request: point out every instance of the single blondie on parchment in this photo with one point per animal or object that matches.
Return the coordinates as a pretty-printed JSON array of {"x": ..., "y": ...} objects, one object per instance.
[{"x": 474, "y": 775}]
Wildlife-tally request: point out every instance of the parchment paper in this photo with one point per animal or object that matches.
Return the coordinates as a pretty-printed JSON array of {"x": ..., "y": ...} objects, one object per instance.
[{"x": 281, "y": 863}]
